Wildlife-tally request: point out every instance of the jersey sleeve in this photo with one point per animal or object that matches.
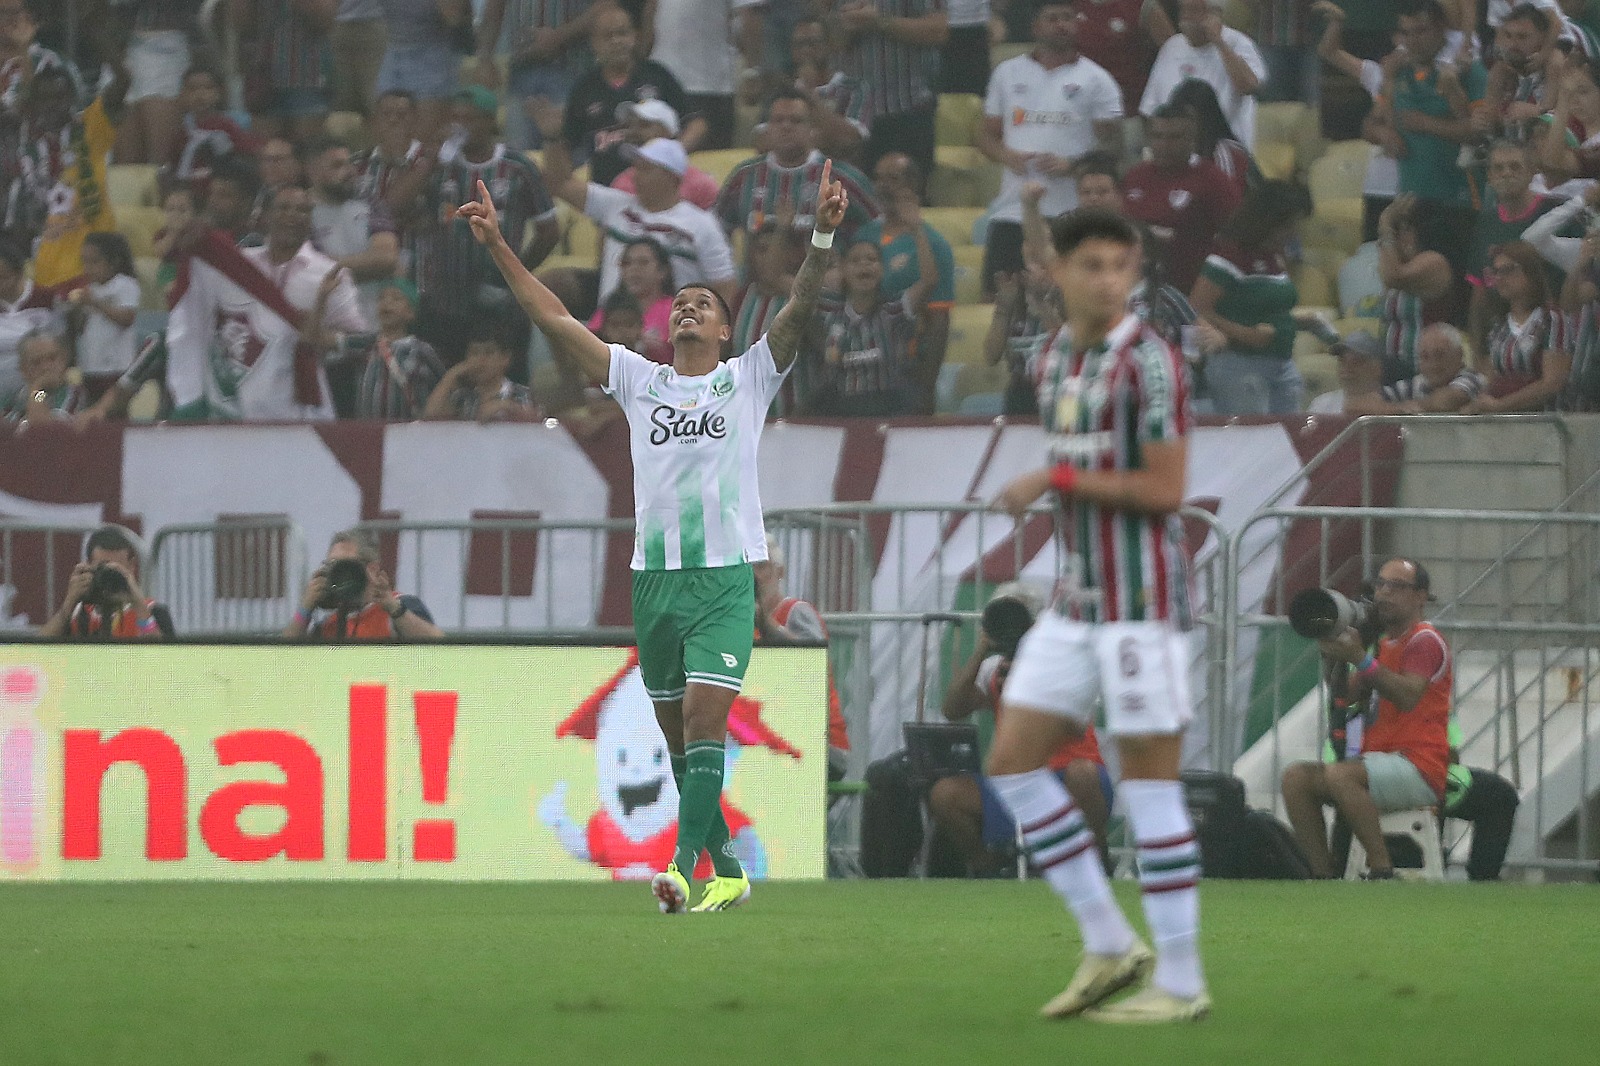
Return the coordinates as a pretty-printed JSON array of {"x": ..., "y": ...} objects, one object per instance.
[
  {"x": 627, "y": 370},
  {"x": 757, "y": 367},
  {"x": 1163, "y": 400},
  {"x": 602, "y": 203},
  {"x": 711, "y": 246},
  {"x": 994, "y": 102},
  {"x": 1107, "y": 102}
]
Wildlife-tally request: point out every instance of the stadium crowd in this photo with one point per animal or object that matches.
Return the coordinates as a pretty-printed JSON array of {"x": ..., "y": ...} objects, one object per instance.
[{"x": 1394, "y": 200}]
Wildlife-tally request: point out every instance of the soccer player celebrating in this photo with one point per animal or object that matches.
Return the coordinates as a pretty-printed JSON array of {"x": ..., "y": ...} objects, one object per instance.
[
  {"x": 1113, "y": 396},
  {"x": 694, "y": 428}
]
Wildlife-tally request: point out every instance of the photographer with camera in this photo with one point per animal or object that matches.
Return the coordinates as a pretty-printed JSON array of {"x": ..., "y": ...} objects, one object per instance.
[
  {"x": 1405, "y": 752},
  {"x": 104, "y": 600},
  {"x": 359, "y": 601},
  {"x": 964, "y": 806}
]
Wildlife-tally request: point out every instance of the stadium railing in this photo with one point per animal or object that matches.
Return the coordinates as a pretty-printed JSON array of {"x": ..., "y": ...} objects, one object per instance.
[
  {"x": 237, "y": 577},
  {"x": 1518, "y": 602},
  {"x": 51, "y": 548}
]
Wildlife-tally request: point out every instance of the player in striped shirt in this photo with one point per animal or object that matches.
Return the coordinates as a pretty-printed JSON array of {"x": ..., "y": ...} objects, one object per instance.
[
  {"x": 1116, "y": 406},
  {"x": 694, "y": 430},
  {"x": 782, "y": 185}
]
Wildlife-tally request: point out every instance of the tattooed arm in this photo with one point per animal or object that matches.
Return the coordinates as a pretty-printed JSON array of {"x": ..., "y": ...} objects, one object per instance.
[{"x": 790, "y": 325}]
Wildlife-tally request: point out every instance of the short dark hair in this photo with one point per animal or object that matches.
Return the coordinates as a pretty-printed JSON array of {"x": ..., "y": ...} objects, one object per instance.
[
  {"x": 1170, "y": 110},
  {"x": 1267, "y": 207},
  {"x": 788, "y": 92},
  {"x": 238, "y": 170},
  {"x": 727, "y": 312},
  {"x": 491, "y": 329},
  {"x": 1091, "y": 224},
  {"x": 1097, "y": 163},
  {"x": 109, "y": 539},
  {"x": 1431, "y": 10},
  {"x": 620, "y": 300},
  {"x": 115, "y": 248},
  {"x": 1529, "y": 13}
]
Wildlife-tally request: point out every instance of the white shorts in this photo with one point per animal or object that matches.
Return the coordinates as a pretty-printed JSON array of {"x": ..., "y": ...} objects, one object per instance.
[
  {"x": 1140, "y": 669},
  {"x": 156, "y": 61}
]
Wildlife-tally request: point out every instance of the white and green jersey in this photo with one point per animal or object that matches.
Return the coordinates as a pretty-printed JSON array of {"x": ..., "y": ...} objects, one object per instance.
[{"x": 696, "y": 501}]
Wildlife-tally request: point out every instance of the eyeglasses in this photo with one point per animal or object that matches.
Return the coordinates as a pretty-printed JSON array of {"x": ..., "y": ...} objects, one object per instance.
[{"x": 1383, "y": 584}]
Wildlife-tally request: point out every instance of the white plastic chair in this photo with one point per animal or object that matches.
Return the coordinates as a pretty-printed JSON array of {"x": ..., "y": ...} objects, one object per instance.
[{"x": 1422, "y": 826}]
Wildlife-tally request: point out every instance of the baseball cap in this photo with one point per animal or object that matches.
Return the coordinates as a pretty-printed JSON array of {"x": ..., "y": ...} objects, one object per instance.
[
  {"x": 657, "y": 111},
  {"x": 479, "y": 97},
  {"x": 663, "y": 152},
  {"x": 1358, "y": 342}
]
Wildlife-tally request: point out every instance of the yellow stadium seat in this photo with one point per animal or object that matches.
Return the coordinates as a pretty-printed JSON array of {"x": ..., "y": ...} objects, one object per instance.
[
  {"x": 1286, "y": 121},
  {"x": 1373, "y": 326},
  {"x": 1327, "y": 260},
  {"x": 145, "y": 406},
  {"x": 1340, "y": 172},
  {"x": 953, "y": 223},
  {"x": 1331, "y": 231},
  {"x": 1313, "y": 285},
  {"x": 969, "y": 274},
  {"x": 132, "y": 185},
  {"x": 957, "y": 117},
  {"x": 969, "y": 324},
  {"x": 1319, "y": 370},
  {"x": 139, "y": 225},
  {"x": 349, "y": 127},
  {"x": 720, "y": 162},
  {"x": 536, "y": 157},
  {"x": 962, "y": 177},
  {"x": 145, "y": 268},
  {"x": 999, "y": 53},
  {"x": 1276, "y": 159},
  {"x": 566, "y": 262}
]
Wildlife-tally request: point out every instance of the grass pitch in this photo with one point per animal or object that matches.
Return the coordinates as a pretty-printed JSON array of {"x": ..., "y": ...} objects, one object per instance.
[{"x": 853, "y": 972}]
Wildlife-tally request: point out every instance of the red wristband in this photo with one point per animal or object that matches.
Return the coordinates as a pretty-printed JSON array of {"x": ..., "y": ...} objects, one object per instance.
[{"x": 1064, "y": 478}]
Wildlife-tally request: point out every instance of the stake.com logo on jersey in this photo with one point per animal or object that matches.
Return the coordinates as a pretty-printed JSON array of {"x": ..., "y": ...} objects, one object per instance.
[{"x": 686, "y": 428}]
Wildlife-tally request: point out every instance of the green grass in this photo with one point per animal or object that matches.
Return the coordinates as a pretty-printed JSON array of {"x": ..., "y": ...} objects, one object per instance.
[{"x": 868, "y": 972}]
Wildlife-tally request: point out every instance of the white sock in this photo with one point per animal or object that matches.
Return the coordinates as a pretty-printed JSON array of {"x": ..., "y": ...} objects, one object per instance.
[
  {"x": 1169, "y": 871},
  {"x": 1062, "y": 849}
]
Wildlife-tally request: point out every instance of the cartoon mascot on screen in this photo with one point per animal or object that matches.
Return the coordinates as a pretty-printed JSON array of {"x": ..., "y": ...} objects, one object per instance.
[{"x": 636, "y": 827}]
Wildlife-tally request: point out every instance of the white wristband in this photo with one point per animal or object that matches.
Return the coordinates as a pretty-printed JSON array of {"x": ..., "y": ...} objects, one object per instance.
[{"x": 821, "y": 240}]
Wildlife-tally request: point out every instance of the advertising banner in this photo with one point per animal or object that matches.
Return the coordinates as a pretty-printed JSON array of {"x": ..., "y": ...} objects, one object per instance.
[{"x": 488, "y": 762}]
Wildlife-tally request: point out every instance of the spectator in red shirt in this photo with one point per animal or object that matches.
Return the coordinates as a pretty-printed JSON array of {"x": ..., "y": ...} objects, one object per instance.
[
  {"x": 1405, "y": 753},
  {"x": 1183, "y": 200},
  {"x": 1123, "y": 36}
]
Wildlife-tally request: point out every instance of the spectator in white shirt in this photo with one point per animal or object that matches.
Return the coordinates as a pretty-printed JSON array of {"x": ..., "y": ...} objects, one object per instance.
[
  {"x": 103, "y": 311},
  {"x": 695, "y": 40},
  {"x": 1044, "y": 111},
  {"x": 1221, "y": 57},
  {"x": 24, "y": 307}
]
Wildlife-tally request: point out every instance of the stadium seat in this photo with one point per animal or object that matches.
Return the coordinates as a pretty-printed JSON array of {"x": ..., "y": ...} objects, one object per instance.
[
  {"x": 536, "y": 157},
  {"x": 719, "y": 163},
  {"x": 1312, "y": 285},
  {"x": 976, "y": 381},
  {"x": 132, "y": 185},
  {"x": 139, "y": 225},
  {"x": 962, "y": 177},
  {"x": 1336, "y": 229},
  {"x": 969, "y": 324},
  {"x": 956, "y": 121},
  {"x": 1276, "y": 159},
  {"x": 1373, "y": 326},
  {"x": 953, "y": 223},
  {"x": 969, "y": 273},
  {"x": 1319, "y": 370},
  {"x": 1340, "y": 173},
  {"x": 567, "y": 262},
  {"x": 351, "y": 128},
  {"x": 1291, "y": 122},
  {"x": 145, "y": 268},
  {"x": 1422, "y": 826}
]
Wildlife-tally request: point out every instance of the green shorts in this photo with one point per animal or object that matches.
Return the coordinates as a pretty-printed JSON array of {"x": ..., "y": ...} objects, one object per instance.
[{"x": 693, "y": 625}]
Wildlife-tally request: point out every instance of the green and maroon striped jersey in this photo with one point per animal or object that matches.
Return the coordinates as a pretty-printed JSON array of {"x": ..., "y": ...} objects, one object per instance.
[
  {"x": 758, "y": 188},
  {"x": 1101, "y": 408},
  {"x": 898, "y": 77}
]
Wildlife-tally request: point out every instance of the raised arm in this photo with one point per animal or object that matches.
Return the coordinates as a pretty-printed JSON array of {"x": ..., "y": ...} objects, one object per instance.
[
  {"x": 789, "y": 326},
  {"x": 570, "y": 338}
]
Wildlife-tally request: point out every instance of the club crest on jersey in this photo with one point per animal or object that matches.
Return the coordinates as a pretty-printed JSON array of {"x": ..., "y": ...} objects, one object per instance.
[
  {"x": 1178, "y": 198},
  {"x": 499, "y": 189},
  {"x": 722, "y": 386}
]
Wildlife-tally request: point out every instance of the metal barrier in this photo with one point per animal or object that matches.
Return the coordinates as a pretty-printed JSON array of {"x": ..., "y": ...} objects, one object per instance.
[
  {"x": 230, "y": 577},
  {"x": 29, "y": 547},
  {"x": 504, "y": 574},
  {"x": 1524, "y": 626}
]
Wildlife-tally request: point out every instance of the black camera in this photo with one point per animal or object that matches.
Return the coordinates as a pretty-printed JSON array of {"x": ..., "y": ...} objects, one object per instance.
[
  {"x": 345, "y": 585},
  {"x": 1318, "y": 614},
  {"x": 1005, "y": 620},
  {"x": 109, "y": 585}
]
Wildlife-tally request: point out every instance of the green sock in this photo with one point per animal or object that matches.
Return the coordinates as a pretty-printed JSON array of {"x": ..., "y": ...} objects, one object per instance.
[
  {"x": 698, "y": 773},
  {"x": 723, "y": 861}
]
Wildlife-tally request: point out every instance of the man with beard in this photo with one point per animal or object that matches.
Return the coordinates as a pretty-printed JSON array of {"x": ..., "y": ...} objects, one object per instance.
[{"x": 357, "y": 234}]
